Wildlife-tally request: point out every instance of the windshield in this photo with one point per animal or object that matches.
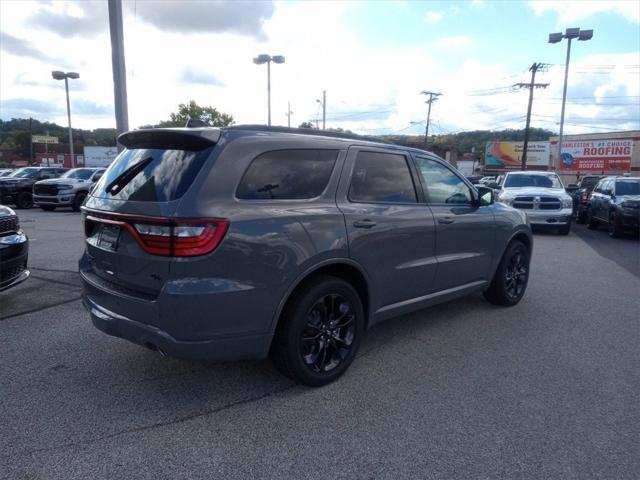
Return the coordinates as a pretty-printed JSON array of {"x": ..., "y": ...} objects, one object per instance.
[
  {"x": 26, "y": 173},
  {"x": 590, "y": 182},
  {"x": 79, "y": 173},
  {"x": 628, "y": 187},
  {"x": 543, "y": 181},
  {"x": 157, "y": 175}
]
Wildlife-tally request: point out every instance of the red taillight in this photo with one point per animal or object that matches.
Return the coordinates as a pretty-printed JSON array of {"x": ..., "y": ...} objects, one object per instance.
[
  {"x": 585, "y": 196},
  {"x": 166, "y": 236}
]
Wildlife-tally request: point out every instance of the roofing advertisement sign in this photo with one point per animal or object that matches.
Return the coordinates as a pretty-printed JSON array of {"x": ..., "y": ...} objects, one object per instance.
[
  {"x": 597, "y": 155},
  {"x": 509, "y": 154}
]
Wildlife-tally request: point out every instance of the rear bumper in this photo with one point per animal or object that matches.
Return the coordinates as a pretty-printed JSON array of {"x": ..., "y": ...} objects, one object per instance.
[
  {"x": 58, "y": 200},
  {"x": 549, "y": 217},
  {"x": 216, "y": 349}
]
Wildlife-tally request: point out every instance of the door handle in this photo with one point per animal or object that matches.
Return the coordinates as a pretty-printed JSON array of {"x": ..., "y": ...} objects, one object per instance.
[
  {"x": 364, "y": 223},
  {"x": 445, "y": 220}
]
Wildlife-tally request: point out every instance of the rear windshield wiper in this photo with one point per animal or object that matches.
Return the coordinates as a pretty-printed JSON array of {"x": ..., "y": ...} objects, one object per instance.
[{"x": 125, "y": 177}]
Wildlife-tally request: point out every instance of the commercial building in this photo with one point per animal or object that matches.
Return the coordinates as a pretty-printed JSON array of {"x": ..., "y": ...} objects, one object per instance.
[{"x": 614, "y": 153}]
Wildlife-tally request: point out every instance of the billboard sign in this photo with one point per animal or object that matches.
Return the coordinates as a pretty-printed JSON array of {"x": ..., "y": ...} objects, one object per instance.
[
  {"x": 99, "y": 156},
  {"x": 596, "y": 155},
  {"x": 509, "y": 154},
  {"x": 44, "y": 139}
]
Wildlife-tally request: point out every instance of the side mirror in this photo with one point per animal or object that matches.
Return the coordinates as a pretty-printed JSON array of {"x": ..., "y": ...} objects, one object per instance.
[{"x": 485, "y": 195}]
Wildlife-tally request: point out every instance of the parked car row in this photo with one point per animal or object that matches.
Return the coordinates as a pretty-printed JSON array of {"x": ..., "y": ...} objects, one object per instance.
[{"x": 48, "y": 187}]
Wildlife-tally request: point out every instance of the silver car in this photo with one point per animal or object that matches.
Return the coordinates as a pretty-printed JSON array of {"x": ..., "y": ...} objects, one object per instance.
[{"x": 241, "y": 242}]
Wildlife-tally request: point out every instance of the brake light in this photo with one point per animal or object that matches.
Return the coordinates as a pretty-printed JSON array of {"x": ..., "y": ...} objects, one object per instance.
[{"x": 166, "y": 236}]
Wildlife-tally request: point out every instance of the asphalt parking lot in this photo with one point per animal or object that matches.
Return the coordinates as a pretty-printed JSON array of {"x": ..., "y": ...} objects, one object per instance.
[{"x": 546, "y": 389}]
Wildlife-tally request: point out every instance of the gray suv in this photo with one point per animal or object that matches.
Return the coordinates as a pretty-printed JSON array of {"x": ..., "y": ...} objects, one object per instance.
[{"x": 240, "y": 242}]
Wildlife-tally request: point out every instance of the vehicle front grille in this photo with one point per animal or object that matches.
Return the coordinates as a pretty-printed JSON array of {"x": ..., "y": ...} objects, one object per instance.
[
  {"x": 45, "y": 189},
  {"x": 537, "y": 203},
  {"x": 9, "y": 224},
  {"x": 7, "y": 274}
]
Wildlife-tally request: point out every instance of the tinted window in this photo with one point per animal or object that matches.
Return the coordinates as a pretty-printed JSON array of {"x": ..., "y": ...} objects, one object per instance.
[
  {"x": 627, "y": 187},
  {"x": 26, "y": 173},
  {"x": 443, "y": 185},
  {"x": 166, "y": 176},
  {"x": 381, "y": 177},
  {"x": 287, "y": 174}
]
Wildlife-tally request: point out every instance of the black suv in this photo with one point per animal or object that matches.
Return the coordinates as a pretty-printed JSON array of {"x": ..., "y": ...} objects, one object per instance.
[
  {"x": 582, "y": 194},
  {"x": 18, "y": 188},
  {"x": 615, "y": 202}
]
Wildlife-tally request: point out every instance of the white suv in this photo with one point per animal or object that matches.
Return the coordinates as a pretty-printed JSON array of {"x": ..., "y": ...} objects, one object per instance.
[{"x": 541, "y": 195}]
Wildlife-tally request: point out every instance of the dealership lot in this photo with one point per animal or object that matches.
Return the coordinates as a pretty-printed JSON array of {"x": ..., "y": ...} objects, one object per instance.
[{"x": 464, "y": 390}]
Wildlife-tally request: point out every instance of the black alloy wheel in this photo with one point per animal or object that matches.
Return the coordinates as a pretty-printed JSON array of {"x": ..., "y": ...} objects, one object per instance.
[
  {"x": 319, "y": 331},
  {"x": 24, "y": 200},
  {"x": 329, "y": 333},
  {"x": 512, "y": 276},
  {"x": 516, "y": 275}
]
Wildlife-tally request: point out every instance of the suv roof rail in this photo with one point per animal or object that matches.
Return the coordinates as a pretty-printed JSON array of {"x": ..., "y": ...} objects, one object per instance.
[{"x": 307, "y": 131}]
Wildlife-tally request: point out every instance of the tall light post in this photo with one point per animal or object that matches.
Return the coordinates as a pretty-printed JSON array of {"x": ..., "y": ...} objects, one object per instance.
[
  {"x": 58, "y": 75},
  {"x": 569, "y": 34},
  {"x": 259, "y": 60}
]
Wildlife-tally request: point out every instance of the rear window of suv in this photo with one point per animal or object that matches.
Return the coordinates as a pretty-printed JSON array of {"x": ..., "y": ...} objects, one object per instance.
[
  {"x": 166, "y": 176},
  {"x": 287, "y": 175}
]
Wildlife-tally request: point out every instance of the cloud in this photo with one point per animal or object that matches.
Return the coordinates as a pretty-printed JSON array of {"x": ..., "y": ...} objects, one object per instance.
[
  {"x": 203, "y": 16},
  {"x": 569, "y": 11},
  {"x": 25, "y": 107},
  {"x": 71, "y": 19},
  {"x": 197, "y": 76},
  {"x": 433, "y": 17},
  {"x": 21, "y": 48},
  {"x": 455, "y": 41}
]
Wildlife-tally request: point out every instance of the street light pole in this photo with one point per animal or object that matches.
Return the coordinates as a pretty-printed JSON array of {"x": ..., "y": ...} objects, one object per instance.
[
  {"x": 259, "y": 60},
  {"x": 58, "y": 75},
  {"x": 570, "y": 34},
  {"x": 564, "y": 97},
  {"x": 66, "y": 87}
]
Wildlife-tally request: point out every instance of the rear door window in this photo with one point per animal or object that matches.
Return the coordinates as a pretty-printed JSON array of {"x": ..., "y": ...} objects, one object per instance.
[
  {"x": 166, "y": 176},
  {"x": 381, "y": 178},
  {"x": 287, "y": 175}
]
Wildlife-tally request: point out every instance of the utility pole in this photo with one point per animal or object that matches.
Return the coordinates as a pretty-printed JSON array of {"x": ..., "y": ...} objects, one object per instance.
[
  {"x": 534, "y": 68},
  {"x": 432, "y": 98},
  {"x": 289, "y": 112},
  {"x": 324, "y": 109},
  {"x": 118, "y": 66},
  {"x": 30, "y": 141}
]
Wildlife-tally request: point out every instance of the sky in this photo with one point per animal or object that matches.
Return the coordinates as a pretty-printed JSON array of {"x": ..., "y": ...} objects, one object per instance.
[{"x": 372, "y": 58}]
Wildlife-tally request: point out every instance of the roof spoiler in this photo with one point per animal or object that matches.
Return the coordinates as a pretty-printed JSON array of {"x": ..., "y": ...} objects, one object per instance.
[{"x": 171, "y": 138}]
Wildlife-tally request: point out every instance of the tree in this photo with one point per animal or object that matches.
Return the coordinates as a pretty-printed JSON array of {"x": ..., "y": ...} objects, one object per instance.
[
  {"x": 307, "y": 125},
  {"x": 210, "y": 116}
]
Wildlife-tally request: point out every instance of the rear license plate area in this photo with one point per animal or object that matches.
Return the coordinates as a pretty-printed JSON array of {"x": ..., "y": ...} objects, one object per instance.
[{"x": 108, "y": 236}]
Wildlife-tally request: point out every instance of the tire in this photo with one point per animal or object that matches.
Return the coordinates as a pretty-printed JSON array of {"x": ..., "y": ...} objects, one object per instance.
[
  {"x": 319, "y": 359},
  {"x": 47, "y": 208},
  {"x": 502, "y": 291},
  {"x": 78, "y": 201},
  {"x": 614, "y": 226},
  {"x": 565, "y": 229},
  {"x": 592, "y": 223},
  {"x": 581, "y": 217},
  {"x": 24, "y": 200}
]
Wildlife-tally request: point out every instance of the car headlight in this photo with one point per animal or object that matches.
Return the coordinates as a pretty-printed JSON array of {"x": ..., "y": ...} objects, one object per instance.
[
  {"x": 567, "y": 202},
  {"x": 507, "y": 200}
]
